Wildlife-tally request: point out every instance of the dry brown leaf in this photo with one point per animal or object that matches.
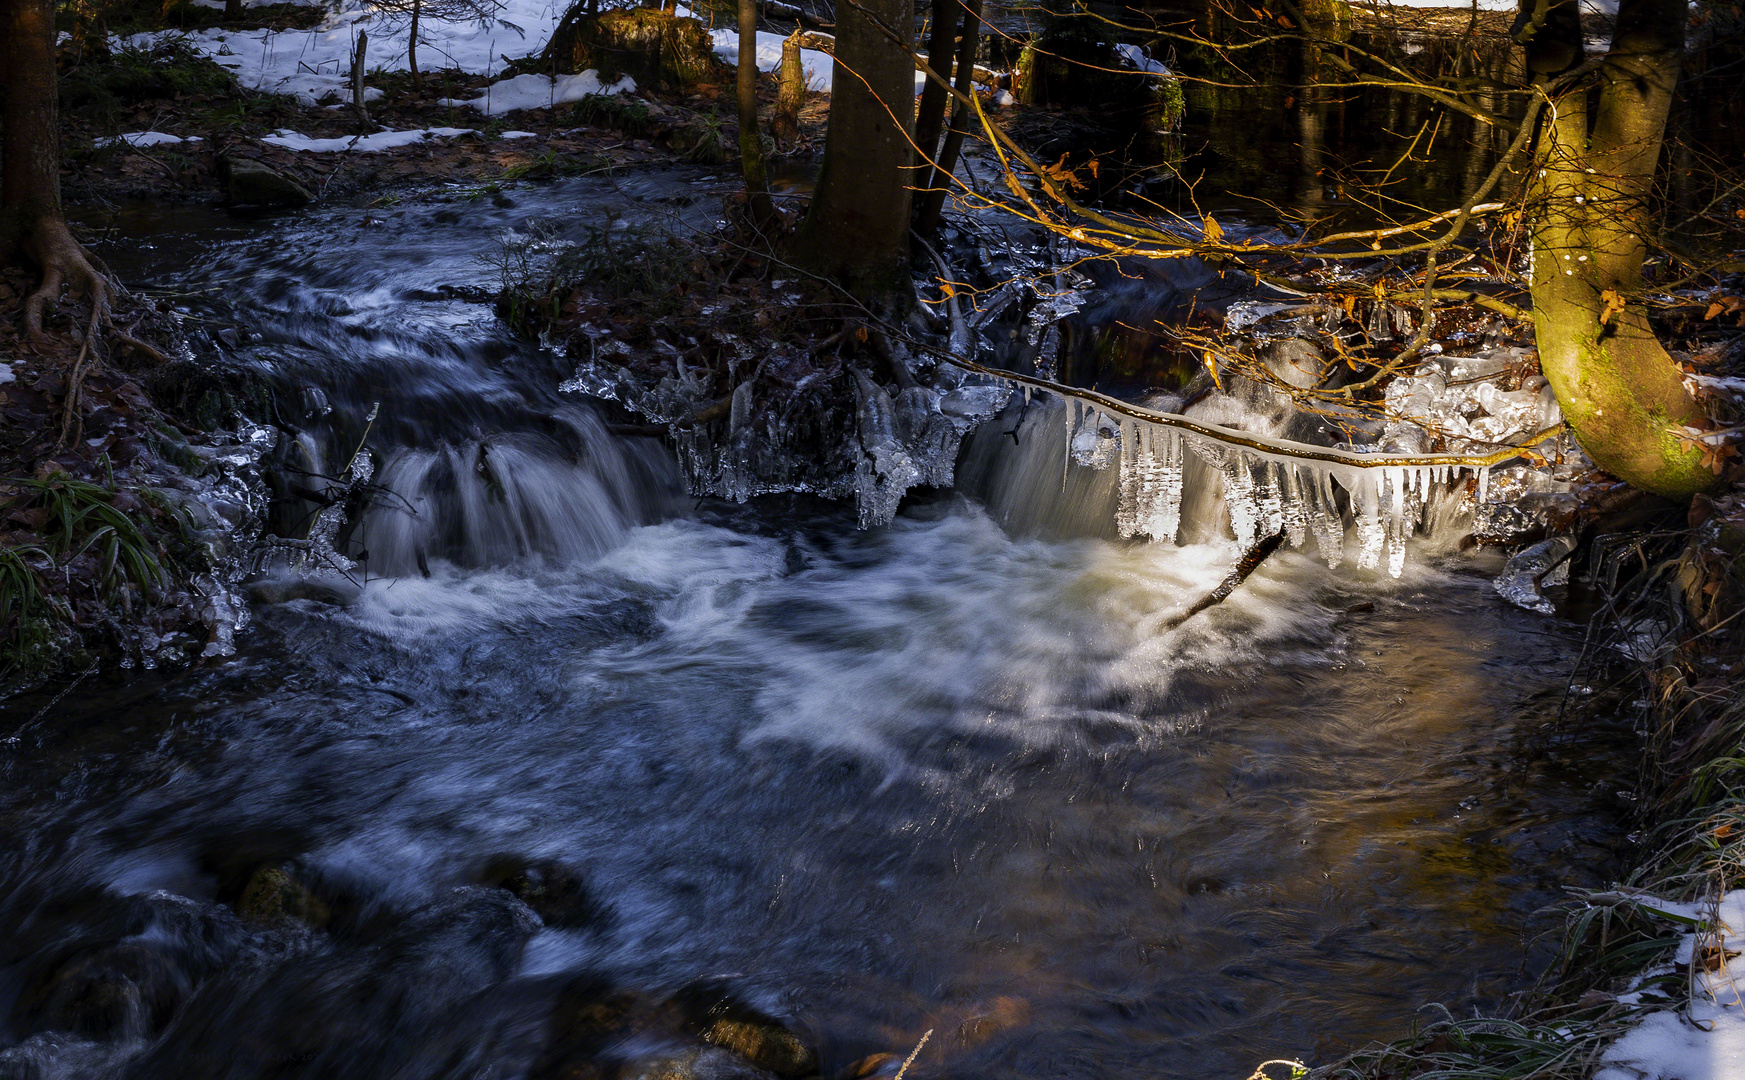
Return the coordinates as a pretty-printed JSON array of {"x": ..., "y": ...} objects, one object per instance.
[{"x": 1614, "y": 305}]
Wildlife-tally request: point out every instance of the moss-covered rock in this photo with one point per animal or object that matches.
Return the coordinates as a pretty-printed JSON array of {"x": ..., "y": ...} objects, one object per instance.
[
  {"x": 274, "y": 895},
  {"x": 656, "y": 48}
]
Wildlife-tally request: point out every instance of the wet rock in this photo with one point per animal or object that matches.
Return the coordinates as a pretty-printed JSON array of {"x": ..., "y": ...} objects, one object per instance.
[
  {"x": 767, "y": 1045},
  {"x": 128, "y": 989},
  {"x": 248, "y": 182},
  {"x": 285, "y": 590},
  {"x": 723, "y": 1019},
  {"x": 555, "y": 892},
  {"x": 593, "y": 1021},
  {"x": 274, "y": 894},
  {"x": 429, "y": 1000},
  {"x": 873, "y": 1065},
  {"x": 702, "y": 1063}
]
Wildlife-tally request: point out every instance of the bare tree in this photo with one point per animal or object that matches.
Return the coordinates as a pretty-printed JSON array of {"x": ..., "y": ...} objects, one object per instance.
[{"x": 409, "y": 13}]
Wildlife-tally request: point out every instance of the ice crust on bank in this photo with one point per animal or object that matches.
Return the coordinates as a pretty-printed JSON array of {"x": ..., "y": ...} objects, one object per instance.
[
  {"x": 1705, "y": 1040},
  {"x": 1457, "y": 398}
]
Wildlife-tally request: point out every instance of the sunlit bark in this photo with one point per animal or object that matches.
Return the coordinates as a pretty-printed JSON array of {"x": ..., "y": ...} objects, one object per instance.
[{"x": 1621, "y": 392}]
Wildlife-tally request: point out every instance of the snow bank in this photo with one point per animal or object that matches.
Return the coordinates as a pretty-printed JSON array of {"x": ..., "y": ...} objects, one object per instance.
[
  {"x": 311, "y": 64},
  {"x": 144, "y": 138},
  {"x": 819, "y": 66},
  {"x": 381, "y": 140},
  {"x": 540, "y": 92},
  {"x": 1142, "y": 62},
  {"x": 1705, "y": 1041}
]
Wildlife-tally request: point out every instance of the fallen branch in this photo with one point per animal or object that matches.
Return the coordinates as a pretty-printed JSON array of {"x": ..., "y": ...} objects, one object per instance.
[{"x": 1248, "y": 564}]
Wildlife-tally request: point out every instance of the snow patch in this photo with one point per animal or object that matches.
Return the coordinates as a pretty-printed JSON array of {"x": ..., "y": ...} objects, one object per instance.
[
  {"x": 1705, "y": 1040},
  {"x": 541, "y": 92},
  {"x": 819, "y": 66},
  {"x": 144, "y": 138},
  {"x": 368, "y": 144}
]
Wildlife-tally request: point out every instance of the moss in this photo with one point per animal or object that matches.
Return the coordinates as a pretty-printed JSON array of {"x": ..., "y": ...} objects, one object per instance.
[
  {"x": 656, "y": 48},
  {"x": 99, "y": 89},
  {"x": 1169, "y": 106}
]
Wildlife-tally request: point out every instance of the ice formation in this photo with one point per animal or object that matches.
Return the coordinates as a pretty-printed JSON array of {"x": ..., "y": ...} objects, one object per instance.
[{"x": 1270, "y": 486}]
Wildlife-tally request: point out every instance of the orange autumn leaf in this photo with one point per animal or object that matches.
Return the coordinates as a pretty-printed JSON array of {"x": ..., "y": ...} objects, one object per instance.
[{"x": 1614, "y": 305}]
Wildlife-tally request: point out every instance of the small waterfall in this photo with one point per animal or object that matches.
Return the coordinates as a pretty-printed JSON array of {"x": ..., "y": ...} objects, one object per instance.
[
  {"x": 1056, "y": 464},
  {"x": 512, "y": 498}
]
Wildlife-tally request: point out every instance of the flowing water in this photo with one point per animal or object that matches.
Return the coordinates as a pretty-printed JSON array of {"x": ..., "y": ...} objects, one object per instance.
[{"x": 950, "y": 775}]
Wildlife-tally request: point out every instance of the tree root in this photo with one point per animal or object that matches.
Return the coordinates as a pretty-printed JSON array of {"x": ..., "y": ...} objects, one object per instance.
[
  {"x": 63, "y": 261},
  {"x": 72, "y": 418}
]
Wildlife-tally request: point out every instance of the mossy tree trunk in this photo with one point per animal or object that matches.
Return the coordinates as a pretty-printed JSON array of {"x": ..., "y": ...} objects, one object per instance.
[
  {"x": 31, "y": 222},
  {"x": 1595, "y": 161},
  {"x": 856, "y": 230}
]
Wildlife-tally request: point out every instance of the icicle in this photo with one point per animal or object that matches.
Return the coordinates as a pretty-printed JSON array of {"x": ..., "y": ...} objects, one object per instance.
[
  {"x": 1366, "y": 515},
  {"x": 1393, "y": 497},
  {"x": 1325, "y": 519},
  {"x": 1484, "y": 483},
  {"x": 1127, "y": 511},
  {"x": 1292, "y": 507},
  {"x": 1169, "y": 511},
  {"x": 1071, "y": 414},
  {"x": 1268, "y": 503},
  {"x": 1239, "y": 497}
]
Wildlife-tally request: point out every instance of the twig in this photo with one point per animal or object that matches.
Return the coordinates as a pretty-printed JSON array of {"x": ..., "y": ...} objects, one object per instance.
[
  {"x": 913, "y": 1054},
  {"x": 1250, "y": 561}
]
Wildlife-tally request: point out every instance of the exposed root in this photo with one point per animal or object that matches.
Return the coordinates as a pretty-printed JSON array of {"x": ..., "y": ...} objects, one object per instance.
[
  {"x": 63, "y": 262},
  {"x": 72, "y": 419},
  {"x": 132, "y": 342}
]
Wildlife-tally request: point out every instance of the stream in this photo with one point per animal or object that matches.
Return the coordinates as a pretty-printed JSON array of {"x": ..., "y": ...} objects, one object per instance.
[{"x": 950, "y": 775}]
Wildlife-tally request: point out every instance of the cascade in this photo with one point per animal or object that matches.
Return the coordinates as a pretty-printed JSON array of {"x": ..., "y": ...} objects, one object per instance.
[{"x": 1269, "y": 485}]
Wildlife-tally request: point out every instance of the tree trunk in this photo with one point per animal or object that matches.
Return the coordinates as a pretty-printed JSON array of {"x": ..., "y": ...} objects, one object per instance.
[
  {"x": 790, "y": 94},
  {"x": 930, "y": 116},
  {"x": 857, "y": 228},
  {"x": 750, "y": 137},
  {"x": 30, "y": 172},
  {"x": 232, "y": 10},
  {"x": 1621, "y": 392},
  {"x": 412, "y": 50},
  {"x": 939, "y": 182}
]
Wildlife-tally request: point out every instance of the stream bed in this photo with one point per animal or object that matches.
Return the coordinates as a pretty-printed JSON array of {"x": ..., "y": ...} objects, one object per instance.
[{"x": 950, "y": 775}]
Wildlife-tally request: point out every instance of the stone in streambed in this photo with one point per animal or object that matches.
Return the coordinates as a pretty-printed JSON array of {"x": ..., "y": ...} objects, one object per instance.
[
  {"x": 554, "y": 891},
  {"x": 273, "y": 894},
  {"x": 120, "y": 990},
  {"x": 248, "y": 182}
]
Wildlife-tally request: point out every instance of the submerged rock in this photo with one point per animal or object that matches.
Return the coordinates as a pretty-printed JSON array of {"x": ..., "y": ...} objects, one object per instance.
[
  {"x": 274, "y": 894},
  {"x": 555, "y": 892}
]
